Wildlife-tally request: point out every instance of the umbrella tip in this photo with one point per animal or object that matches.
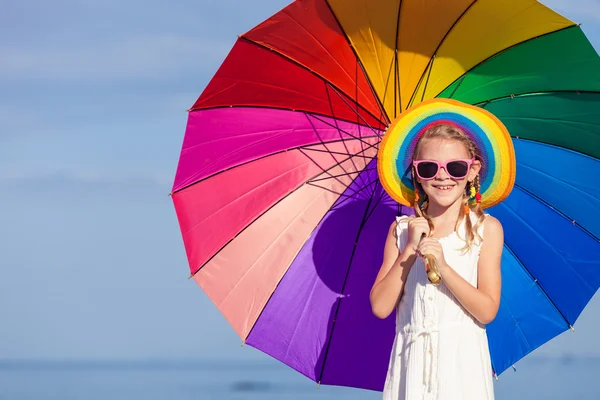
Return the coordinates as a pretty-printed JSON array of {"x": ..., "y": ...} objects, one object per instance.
[
  {"x": 514, "y": 369},
  {"x": 496, "y": 376},
  {"x": 572, "y": 328},
  {"x": 319, "y": 385}
]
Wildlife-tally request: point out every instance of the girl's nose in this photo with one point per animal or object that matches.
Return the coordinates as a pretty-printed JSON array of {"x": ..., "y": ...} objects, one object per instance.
[{"x": 442, "y": 174}]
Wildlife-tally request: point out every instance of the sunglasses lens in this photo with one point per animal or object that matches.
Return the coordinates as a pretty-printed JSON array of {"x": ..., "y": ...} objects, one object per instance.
[
  {"x": 427, "y": 170},
  {"x": 458, "y": 169}
]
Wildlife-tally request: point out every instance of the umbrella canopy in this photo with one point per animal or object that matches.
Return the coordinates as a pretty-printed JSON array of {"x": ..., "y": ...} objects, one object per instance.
[{"x": 281, "y": 210}]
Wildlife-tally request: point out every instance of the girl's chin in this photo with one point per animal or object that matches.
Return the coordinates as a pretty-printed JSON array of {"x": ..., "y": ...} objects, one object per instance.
[
  {"x": 443, "y": 193},
  {"x": 444, "y": 199}
]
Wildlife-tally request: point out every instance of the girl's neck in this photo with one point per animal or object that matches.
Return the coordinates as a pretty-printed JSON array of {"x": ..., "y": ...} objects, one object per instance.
[{"x": 444, "y": 215}]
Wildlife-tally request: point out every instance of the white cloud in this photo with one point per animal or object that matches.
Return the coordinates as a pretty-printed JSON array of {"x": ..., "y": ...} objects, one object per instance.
[{"x": 152, "y": 56}]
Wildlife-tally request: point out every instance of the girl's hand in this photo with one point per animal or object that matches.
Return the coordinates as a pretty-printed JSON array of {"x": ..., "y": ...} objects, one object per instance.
[
  {"x": 434, "y": 247},
  {"x": 416, "y": 228}
]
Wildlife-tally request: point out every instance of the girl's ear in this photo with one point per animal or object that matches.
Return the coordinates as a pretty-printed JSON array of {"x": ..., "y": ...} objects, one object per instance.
[{"x": 474, "y": 171}]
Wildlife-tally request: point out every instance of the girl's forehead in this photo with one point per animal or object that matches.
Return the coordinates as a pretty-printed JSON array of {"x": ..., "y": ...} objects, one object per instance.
[{"x": 442, "y": 149}]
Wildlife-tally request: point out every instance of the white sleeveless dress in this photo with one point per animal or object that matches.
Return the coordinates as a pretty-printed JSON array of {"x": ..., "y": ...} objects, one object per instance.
[{"x": 440, "y": 351}]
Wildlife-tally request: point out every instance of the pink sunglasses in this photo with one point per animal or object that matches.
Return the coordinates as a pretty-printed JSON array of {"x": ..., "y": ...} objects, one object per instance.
[{"x": 457, "y": 169}]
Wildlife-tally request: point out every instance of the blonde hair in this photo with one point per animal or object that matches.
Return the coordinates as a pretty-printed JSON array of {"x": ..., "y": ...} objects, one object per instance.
[{"x": 449, "y": 132}]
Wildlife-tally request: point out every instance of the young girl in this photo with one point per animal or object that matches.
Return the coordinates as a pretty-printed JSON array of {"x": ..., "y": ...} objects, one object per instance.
[{"x": 441, "y": 348}]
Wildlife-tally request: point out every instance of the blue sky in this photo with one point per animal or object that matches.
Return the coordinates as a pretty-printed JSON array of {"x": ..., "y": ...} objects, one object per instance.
[{"x": 93, "y": 100}]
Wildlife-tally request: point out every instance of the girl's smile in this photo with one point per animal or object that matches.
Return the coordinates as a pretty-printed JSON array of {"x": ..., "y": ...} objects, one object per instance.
[{"x": 444, "y": 188}]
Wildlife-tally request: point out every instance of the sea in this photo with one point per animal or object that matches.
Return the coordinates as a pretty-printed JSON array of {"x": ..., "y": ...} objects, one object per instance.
[{"x": 551, "y": 378}]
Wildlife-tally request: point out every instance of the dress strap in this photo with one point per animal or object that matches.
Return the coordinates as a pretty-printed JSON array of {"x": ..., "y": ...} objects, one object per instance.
[{"x": 401, "y": 231}]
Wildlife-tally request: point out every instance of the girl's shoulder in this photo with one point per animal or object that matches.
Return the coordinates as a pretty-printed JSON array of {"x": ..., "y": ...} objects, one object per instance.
[
  {"x": 492, "y": 224},
  {"x": 488, "y": 222}
]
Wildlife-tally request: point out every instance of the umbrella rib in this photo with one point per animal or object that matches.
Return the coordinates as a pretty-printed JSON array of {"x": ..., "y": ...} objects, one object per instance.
[
  {"x": 579, "y": 276},
  {"x": 346, "y": 196},
  {"x": 349, "y": 106},
  {"x": 333, "y": 323},
  {"x": 376, "y": 182},
  {"x": 253, "y": 221},
  {"x": 358, "y": 60},
  {"x": 294, "y": 260},
  {"x": 558, "y": 254},
  {"x": 398, "y": 88},
  {"x": 313, "y": 113},
  {"x": 378, "y": 200},
  {"x": 463, "y": 76},
  {"x": 350, "y": 156},
  {"x": 346, "y": 148},
  {"x": 327, "y": 171},
  {"x": 356, "y": 95},
  {"x": 565, "y": 216},
  {"x": 428, "y": 76},
  {"x": 360, "y": 137},
  {"x": 344, "y": 160},
  {"x": 311, "y": 71},
  {"x": 325, "y": 145},
  {"x": 339, "y": 153},
  {"x": 397, "y": 91},
  {"x": 359, "y": 130},
  {"x": 363, "y": 186},
  {"x": 338, "y": 163},
  {"x": 253, "y": 160},
  {"x": 514, "y": 319},
  {"x": 517, "y": 326},
  {"x": 280, "y": 234},
  {"x": 483, "y": 104},
  {"x": 534, "y": 279},
  {"x": 461, "y": 79},
  {"x": 366, "y": 159},
  {"x": 357, "y": 89},
  {"x": 350, "y": 197},
  {"x": 360, "y": 116},
  {"x": 437, "y": 49},
  {"x": 369, "y": 145},
  {"x": 342, "y": 175},
  {"x": 320, "y": 45}
]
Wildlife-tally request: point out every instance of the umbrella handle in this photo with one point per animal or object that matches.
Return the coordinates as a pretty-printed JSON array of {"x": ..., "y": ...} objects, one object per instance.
[{"x": 433, "y": 273}]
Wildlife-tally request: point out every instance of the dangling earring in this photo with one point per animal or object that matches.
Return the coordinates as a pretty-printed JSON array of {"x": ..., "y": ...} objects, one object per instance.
[
  {"x": 467, "y": 209},
  {"x": 417, "y": 194}
]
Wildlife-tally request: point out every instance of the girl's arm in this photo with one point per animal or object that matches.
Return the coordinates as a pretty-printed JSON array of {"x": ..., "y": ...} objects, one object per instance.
[
  {"x": 482, "y": 302},
  {"x": 389, "y": 284}
]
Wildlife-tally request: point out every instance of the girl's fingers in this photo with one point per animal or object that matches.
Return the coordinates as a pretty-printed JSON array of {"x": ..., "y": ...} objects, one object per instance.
[
  {"x": 429, "y": 248},
  {"x": 429, "y": 241}
]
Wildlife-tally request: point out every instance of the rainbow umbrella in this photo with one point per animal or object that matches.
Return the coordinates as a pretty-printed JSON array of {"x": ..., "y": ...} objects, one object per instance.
[{"x": 277, "y": 194}]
